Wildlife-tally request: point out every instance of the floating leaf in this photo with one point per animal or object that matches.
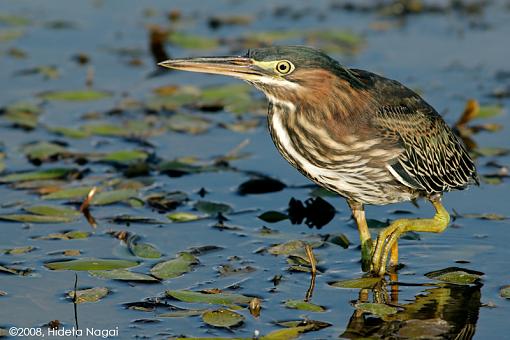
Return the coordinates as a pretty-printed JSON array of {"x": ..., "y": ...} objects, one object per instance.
[
  {"x": 182, "y": 217},
  {"x": 222, "y": 318},
  {"x": 273, "y": 216},
  {"x": 241, "y": 125},
  {"x": 36, "y": 175},
  {"x": 360, "y": 283},
  {"x": 340, "y": 240},
  {"x": 8, "y": 35},
  {"x": 505, "y": 292},
  {"x": 47, "y": 210},
  {"x": 488, "y": 111},
  {"x": 124, "y": 156},
  {"x": 13, "y": 20},
  {"x": 122, "y": 275},
  {"x": 455, "y": 275},
  {"x": 78, "y": 95},
  {"x": 166, "y": 201},
  {"x": 143, "y": 250},
  {"x": 294, "y": 247},
  {"x": 68, "y": 193},
  {"x": 70, "y": 235},
  {"x": 217, "y": 299},
  {"x": 302, "y": 305},
  {"x": 260, "y": 186},
  {"x": 188, "y": 123},
  {"x": 113, "y": 196},
  {"x": 212, "y": 208},
  {"x": 68, "y": 132},
  {"x": 379, "y": 309},
  {"x": 186, "y": 40},
  {"x": 176, "y": 267},
  {"x": 35, "y": 218},
  {"x": 227, "y": 269},
  {"x": 18, "y": 250},
  {"x": 90, "y": 264},
  {"x": 179, "y": 313},
  {"x": 127, "y": 219},
  {"x": 88, "y": 295},
  {"x": 43, "y": 151}
]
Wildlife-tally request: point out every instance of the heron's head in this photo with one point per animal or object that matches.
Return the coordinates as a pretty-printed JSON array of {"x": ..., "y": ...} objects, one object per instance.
[{"x": 284, "y": 73}]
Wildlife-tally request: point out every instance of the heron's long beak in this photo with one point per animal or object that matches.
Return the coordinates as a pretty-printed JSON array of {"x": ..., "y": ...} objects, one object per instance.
[{"x": 239, "y": 67}]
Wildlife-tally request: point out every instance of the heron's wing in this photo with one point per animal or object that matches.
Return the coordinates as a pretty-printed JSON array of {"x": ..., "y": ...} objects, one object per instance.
[{"x": 433, "y": 158}]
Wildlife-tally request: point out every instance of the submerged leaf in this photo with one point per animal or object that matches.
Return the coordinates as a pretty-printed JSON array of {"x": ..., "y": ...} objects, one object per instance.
[
  {"x": 90, "y": 264},
  {"x": 222, "y": 318},
  {"x": 176, "y": 267}
]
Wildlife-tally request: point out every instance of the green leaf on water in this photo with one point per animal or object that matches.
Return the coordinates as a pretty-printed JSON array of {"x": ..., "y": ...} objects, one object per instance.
[
  {"x": 456, "y": 275},
  {"x": 488, "y": 111},
  {"x": 124, "y": 156},
  {"x": 179, "y": 313},
  {"x": 505, "y": 292},
  {"x": 215, "y": 299},
  {"x": 13, "y": 20},
  {"x": 47, "y": 210},
  {"x": 113, "y": 196},
  {"x": 8, "y": 35},
  {"x": 89, "y": 295},
  {"x": 302, "y": 305},
  {"x": 106, "y": 130},
  {"x": 241, "y": 125},
  {"x": 29, "y": 218},
  {"x": 90, "y": 264},
  {"x": 379, "y": 309},
  {"x": 36, "y": 175},
  {"x": 70, "y": 235},
  {"x": 68, "y": 193},
  {"x": 340, "y": 239},
  {"x": 360, "y": 283},
  {"x": 122, "y": 275},
  {"x": 176, "y": 267},
  {"x": 293, "y": 247},
  {"x": 182, "y": 217},
  {"x": 212, "y": 208},
  {"x": 143, "y": 250},
  {"x": 43, "y": 151},
  {"x": 18, "y": 250},
  {"x": 188, "y": 123},
  {"x": 187, "y": 40},
  {"x": 222, "y": 318},
  {"x": 273, "y": 216},
  {"x": 68, "y": 132},
  {"x": 75, "y": 95}
]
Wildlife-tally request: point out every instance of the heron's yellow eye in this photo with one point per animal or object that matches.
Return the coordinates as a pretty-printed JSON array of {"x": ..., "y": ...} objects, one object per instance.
[{"x": 284, "y": 67}]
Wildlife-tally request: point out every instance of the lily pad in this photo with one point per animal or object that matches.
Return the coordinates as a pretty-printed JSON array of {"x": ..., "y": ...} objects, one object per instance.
[
  {"x": 88, "y": 295},
  {"x": 302, "y": 305},
  {"x": 124, "y": 156},
  {"x": 90, "y": 264},
  {"x": 143, "y": 250},
  {"x": 76, "y": 95},
  {"x": 222, "y": 318},
  {"x": 122, "y": 275},
  {"x": 505, "y": 292},
  {"x": 456, "y": 275},
  {"x": 43, "y": 151},
  {"x": 113, "y": 196},
  {"x": 379, "y": 309},
  {"x": 215, "y": 299},
  {"x": 360, "y": 283},
  {"x": 213, "y": 208},
  {"x": 273, "y": 216},
  {"x": 176, "y": 267},
  {"x": 47, "y": 210},
  {"x": 68, "y": 193},
  {"x": 182, "y": 217},
  {"x": 29, "y": 218},
  {"x": 36, "y": 175}
]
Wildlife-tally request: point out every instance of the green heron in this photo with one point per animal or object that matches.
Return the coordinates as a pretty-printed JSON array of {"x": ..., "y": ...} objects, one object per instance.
[{"x": 368, "y": 138}]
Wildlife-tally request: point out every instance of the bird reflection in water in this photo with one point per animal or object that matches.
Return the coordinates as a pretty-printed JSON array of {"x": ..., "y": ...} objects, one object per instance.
[{"x": 443, "y": 311}]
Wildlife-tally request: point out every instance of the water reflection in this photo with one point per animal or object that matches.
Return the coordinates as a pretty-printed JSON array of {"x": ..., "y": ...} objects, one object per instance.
[{"x": 442, "y": 311}]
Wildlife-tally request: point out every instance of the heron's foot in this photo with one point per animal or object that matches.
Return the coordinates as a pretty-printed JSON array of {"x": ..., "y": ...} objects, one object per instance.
[
  {"x": 366, "y": 254},
  {"x": 388, "y": 237}
]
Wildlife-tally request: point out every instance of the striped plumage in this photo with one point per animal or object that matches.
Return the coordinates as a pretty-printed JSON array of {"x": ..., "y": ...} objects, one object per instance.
[{"x": 381, "y": 144}]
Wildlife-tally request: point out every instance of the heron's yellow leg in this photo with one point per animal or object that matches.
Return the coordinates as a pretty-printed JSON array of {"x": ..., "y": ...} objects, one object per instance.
[
  {"x": 358, "y": 212},
  {"x": 389, "y": 236}
]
